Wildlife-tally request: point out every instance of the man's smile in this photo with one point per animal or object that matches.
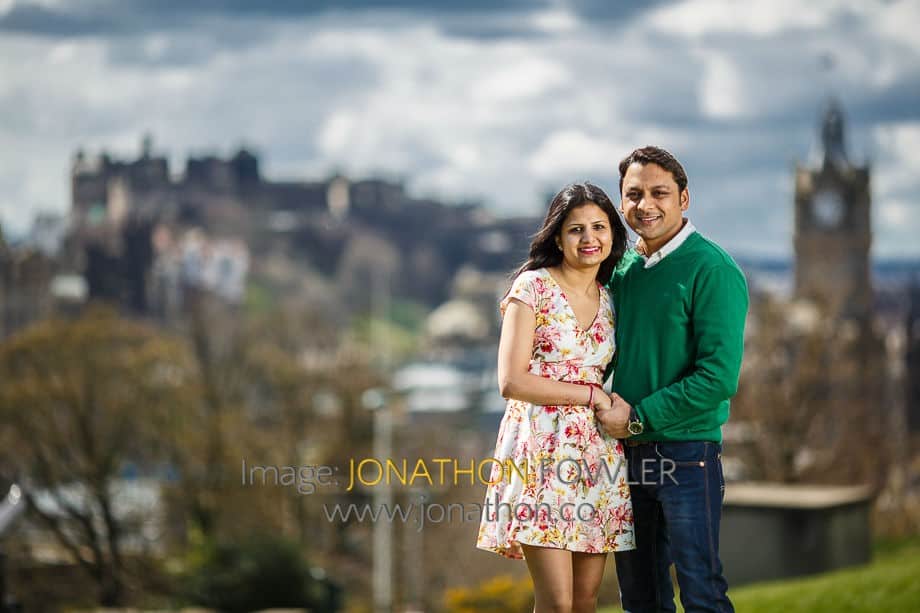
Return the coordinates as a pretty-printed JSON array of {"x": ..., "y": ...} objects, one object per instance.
[{"x": 648, "y": 220}]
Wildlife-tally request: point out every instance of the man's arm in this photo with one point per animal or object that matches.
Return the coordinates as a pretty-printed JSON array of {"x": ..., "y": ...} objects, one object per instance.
[{"x": 720, "y": 303}]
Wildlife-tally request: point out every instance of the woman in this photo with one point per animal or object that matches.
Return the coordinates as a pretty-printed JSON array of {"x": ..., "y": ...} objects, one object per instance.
[{"x": 560, "y": 498}]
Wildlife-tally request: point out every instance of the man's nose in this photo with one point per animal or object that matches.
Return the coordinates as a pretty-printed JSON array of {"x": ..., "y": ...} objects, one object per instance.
[{"x": 643, "y": 203}]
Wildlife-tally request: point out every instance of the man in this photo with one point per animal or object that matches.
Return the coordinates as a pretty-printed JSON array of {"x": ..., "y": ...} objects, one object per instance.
[{"x": 680, "y": 302}]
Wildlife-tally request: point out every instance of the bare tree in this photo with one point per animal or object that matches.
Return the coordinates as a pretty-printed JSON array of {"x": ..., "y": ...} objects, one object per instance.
[
  {"x": 78, "y": 400},
  {"x": 810, "y": 396}
]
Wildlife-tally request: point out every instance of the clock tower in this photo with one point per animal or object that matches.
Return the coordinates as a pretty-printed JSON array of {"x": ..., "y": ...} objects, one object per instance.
[
  {"x": 832, "y": 226},
  {"x": 845, "y": 361}
]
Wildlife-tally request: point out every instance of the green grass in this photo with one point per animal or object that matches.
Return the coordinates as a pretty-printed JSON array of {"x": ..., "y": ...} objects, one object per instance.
[{"x": 891, "y": 582}]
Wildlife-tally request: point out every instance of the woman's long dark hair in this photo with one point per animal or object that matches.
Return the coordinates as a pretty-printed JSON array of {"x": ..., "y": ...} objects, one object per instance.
[{"x": 544, "y": 252}]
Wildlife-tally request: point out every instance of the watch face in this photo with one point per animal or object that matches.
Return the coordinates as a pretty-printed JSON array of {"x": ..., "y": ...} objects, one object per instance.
[{"x": 828, "y": 208}]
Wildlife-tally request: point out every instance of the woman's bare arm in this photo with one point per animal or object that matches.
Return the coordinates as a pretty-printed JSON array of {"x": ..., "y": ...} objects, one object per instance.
[{"x": 514, "y": 381}]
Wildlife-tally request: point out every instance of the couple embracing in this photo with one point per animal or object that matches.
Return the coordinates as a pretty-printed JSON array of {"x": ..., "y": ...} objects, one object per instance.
[{"x": 638, "y": 471}]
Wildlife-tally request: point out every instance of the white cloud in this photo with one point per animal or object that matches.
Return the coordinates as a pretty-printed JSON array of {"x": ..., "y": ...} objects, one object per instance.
[
  {"x": 696, "y": 18},
  {"x": 896, "y": 213},
  {"x": 721, "y": 91},
  {"x": 556, "y": 20},
  {"x": 337, "y": 132},
  {"x": 48, "y": 4},
  {"x": 895, "y": 200},
  {"x": 519, "y": 78},
  {"x": 897, "y": 167},
  {"x": 899, "y": 21},
  {"x": 569, "y": 152},
  {"x": 155, "y": 46},
  {"x": 465, "y": 155},
  {"x": 894, "y": 228},
  {"x": 499, "y": 118}
]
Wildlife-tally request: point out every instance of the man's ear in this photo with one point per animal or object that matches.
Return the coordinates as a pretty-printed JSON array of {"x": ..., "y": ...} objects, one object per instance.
[{"x": 685, "y": 199}]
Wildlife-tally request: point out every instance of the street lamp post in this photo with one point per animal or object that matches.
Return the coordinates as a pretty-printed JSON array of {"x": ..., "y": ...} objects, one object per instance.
[
  {"x": 382, "y": 579},
  {"x": 380, "y": 402}
]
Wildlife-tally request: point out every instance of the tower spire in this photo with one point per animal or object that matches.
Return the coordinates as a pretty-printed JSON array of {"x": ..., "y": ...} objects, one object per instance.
[{"x": 833, "y": 142}]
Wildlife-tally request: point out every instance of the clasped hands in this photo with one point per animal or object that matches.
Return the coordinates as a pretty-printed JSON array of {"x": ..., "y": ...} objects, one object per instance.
[{"x": 612, "y": 414}]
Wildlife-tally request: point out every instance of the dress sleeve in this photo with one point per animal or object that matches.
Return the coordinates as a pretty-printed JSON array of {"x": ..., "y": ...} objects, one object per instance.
[{"x": 524, "y": 289}]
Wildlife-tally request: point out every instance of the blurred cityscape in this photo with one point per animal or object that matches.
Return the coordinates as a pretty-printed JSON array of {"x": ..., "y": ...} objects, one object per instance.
[{"x": 177, "y": 324}]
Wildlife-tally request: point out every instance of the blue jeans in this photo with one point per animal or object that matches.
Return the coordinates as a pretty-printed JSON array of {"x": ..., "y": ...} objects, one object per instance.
[{"x": 676, "y": 491}]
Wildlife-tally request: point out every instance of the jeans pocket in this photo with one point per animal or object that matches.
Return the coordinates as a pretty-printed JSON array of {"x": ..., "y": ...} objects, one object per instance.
[{"x": 683, "y": 453}]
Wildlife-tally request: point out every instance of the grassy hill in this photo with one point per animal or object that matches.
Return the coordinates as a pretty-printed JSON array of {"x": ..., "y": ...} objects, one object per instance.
[{"x": 890, "y": 583}]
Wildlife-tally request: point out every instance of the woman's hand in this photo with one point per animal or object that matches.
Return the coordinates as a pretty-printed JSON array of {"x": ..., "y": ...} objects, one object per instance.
[{"x": 606, "y": 422}]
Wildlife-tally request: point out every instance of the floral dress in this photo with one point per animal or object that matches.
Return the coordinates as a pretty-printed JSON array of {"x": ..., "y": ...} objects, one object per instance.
[{"x": 557, "y": 480}]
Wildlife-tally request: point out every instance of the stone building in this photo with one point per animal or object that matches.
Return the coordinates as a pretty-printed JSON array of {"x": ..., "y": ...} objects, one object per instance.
[
  {"x": 118, "y": 207},
  {"x": 814, "y": 397},
  {"x": 25, "y": 287},
  {"x": 832, "y": 227},
  {"x": 912, "y": 378}
]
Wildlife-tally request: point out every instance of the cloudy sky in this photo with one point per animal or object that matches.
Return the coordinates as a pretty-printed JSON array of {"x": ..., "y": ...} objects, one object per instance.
[{"x": 497, "y": 101}]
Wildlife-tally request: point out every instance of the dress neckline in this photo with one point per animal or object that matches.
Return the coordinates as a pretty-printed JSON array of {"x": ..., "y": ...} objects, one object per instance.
[{"x": 597, "y": 313}]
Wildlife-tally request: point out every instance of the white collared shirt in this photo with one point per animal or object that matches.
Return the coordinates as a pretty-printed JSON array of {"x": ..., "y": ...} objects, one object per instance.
[{"x": 670, "y": 246}]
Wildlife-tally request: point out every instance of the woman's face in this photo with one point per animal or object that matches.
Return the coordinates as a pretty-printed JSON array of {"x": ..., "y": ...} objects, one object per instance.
[{"x": 586, "y": 237}]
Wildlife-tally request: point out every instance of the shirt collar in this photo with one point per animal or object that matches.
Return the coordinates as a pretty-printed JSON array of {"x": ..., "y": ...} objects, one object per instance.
[{"x": 670, "y": 246}]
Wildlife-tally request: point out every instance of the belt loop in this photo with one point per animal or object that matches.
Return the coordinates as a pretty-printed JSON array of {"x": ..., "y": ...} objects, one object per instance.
[{"x": 633, "y": 443}]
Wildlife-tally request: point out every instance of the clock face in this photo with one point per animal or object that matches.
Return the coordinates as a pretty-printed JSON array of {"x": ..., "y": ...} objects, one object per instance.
[{"x": 828, "y": 208}]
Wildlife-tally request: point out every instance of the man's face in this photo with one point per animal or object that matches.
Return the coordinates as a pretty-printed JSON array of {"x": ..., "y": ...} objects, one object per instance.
[{"x": 652, "y": 204}]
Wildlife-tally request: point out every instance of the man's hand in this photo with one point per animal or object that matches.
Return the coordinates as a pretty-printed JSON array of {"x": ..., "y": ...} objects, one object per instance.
[
  {"x": 602, "y": 401},
  {"x": 614, "y": 420}
]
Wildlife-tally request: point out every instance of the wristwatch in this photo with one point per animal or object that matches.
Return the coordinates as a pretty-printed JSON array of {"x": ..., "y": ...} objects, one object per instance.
[{"x": 635, "y": 426}]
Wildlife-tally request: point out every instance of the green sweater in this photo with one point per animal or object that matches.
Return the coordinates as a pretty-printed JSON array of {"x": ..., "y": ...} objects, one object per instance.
[{"x": 680, "y": 337}]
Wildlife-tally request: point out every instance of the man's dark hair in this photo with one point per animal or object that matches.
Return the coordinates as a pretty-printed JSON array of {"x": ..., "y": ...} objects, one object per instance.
[{"x": 655, "y": 155}]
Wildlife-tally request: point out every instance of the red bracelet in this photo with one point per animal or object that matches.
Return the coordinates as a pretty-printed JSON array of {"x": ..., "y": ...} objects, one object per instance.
[{"x": 591, "y": 394}]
